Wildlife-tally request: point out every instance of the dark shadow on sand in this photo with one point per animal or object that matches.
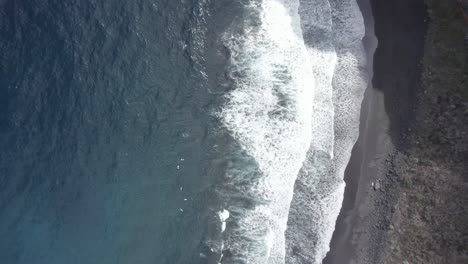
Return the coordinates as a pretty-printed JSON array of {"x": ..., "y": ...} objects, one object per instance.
[{"x": 400, "y": 27}]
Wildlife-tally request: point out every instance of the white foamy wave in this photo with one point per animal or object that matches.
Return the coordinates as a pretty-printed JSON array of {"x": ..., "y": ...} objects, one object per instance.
[
  {"x": 319, "y": 188},
  {"x": 223, "y": 216},
  {"x": 269, "y": 113}
]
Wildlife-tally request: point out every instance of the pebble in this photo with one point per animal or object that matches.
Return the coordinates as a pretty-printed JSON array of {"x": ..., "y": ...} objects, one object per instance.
[{"x": 377, "y": 186}]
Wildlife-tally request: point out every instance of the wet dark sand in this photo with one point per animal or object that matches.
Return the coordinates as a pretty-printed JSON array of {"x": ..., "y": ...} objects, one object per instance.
[{"x": 400, "y": 27}]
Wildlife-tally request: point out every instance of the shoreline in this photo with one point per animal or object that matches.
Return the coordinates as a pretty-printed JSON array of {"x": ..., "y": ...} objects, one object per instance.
[
  {"x": 371, "y": 176},
  {"x": 341, "y": 248}
]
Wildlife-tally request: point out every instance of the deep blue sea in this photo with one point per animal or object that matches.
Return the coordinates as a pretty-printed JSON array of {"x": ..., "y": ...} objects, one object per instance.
[
  {"x": 173, "y": 131},
  {"x": 104, "y": 130}
]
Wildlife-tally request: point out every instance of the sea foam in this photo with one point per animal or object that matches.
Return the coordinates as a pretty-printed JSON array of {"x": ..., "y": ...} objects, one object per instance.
[
  {"x": 297, "y": 85},
  {"x": 269, "y": 113},
  {"x": 319, "y": 187}
]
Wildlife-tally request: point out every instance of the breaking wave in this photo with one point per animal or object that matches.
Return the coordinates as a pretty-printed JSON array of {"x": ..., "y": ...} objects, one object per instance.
[
  {"x": 293, "y": 110},
  {"x": 270, "y": 114},
  {"x": 337, "y": 25}
]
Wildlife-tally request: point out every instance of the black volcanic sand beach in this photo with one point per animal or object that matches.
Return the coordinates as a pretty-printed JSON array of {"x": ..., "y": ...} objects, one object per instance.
[{"x": 399, "y": 27}]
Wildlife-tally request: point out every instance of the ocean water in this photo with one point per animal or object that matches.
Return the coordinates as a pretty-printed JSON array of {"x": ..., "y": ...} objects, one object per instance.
[{"x": 175, "y": 131}]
